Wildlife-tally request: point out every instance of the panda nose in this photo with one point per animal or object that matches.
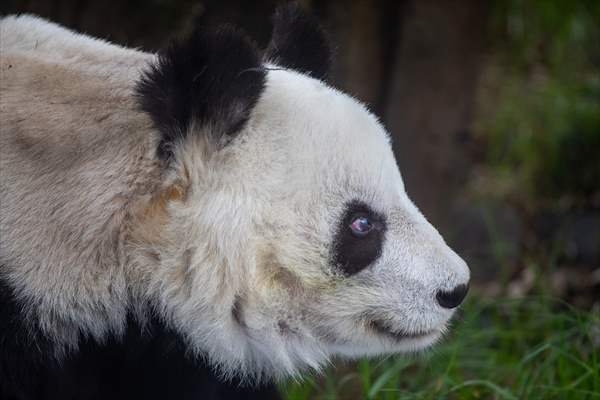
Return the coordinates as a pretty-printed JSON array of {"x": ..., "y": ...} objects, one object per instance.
[{"x": 452, "y": 298}]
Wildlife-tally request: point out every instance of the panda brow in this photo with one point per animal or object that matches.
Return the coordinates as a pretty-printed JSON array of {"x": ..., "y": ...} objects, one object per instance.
[
  {"x": 380, "y": 178},
  {"x": 367, "y": 195}
]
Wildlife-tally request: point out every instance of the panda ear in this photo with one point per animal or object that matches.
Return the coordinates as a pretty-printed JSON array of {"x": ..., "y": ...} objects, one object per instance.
[
  {"x": 299, "y": 42},
  {"x": 213, "y": 79}
]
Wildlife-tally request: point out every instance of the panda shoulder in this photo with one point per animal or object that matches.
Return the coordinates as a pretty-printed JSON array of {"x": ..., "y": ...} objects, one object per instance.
[{"x": 30, "y": 36}]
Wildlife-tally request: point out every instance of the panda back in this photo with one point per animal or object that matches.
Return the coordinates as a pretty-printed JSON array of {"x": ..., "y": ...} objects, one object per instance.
[{"x": 76, "y": 154}]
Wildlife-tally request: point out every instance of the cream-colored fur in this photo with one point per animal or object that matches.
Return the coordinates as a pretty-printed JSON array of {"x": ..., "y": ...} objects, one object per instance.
[
  {"x": 231, "y": 246},
  {"x": 75, "y": 155}
]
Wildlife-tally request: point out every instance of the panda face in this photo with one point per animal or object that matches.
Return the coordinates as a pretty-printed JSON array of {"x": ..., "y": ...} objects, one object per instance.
[
  {"x": 290, "y": 238},
  {"x": 299, "y": 242},
  {"x": 345, "y": 259}
]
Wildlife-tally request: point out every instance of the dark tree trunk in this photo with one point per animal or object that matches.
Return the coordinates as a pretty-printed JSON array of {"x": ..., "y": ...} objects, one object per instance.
[{"x": 431, "y": 100}]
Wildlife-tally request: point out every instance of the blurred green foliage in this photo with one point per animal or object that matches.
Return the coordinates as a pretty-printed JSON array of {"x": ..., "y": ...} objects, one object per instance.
[{"x": 541, "y": 124}]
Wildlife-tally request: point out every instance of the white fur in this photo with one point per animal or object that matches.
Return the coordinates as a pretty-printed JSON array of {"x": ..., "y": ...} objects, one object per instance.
[{"x": 92, "y": 228}]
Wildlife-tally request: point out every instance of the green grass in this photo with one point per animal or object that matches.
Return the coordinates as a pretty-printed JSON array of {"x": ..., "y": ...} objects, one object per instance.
[{"x": 528, "y": 348}]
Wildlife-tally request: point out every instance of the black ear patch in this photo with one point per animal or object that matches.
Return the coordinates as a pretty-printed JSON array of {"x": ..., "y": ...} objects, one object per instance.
[
  {"x": 299, "y": 42},
  {"x": 214, "y": 79}
]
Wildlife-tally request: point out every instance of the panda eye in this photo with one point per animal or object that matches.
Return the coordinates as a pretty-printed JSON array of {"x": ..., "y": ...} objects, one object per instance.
[
  {"x": 358, "y": 239},
  {"x": 361, "y": 226}
]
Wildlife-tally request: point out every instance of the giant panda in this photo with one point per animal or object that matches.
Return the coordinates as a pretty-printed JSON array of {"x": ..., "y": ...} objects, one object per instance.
[{"x": 201, "y": 222}]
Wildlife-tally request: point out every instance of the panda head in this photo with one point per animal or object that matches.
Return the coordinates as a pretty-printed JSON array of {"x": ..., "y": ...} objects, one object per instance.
[{"x": 282, "y": 235}]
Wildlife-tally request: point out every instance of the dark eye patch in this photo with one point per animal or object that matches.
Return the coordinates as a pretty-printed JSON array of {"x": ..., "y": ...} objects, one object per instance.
[{"x": 352, "y": 254}]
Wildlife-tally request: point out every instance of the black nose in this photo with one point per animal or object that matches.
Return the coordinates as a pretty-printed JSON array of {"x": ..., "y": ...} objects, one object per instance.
[{"x": 453, "y": 298}]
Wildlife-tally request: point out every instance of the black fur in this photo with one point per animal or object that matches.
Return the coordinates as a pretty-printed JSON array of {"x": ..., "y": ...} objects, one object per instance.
[
  {"x": 299, "y": 42},
  {"x": 24, "y": 350},
  {"x": 212, "y": 79},
  {"x": 352, "y": 254},
  {"x": 150, "y": 364}
]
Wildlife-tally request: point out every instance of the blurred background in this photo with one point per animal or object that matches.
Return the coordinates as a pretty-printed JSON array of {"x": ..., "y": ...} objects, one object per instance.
[{"x": 494, "y": 109}]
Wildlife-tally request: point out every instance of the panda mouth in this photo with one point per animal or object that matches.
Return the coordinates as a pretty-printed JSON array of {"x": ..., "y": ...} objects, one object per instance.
[{"x": 382, "y": 328}]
